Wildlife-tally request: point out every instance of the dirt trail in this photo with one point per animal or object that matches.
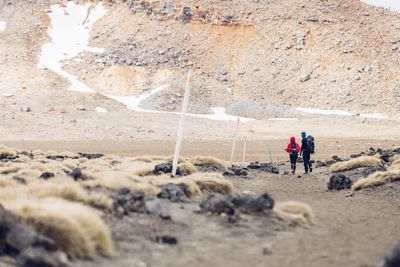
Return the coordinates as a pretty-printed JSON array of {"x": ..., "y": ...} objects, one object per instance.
[
  {"x": 351, "y": 232},
  {"x": 255, "y": 151},
  {"x": 354, "y": 231}
]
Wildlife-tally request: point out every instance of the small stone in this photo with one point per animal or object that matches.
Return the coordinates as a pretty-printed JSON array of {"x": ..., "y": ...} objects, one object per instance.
[
  {"x": 166, "y": 239},
  {"x": 8, "y": 95},
  {"x": 77, "y": 174},
  {"x": 47, "y": 175},
  {"x": 305, "y": 77},
  {"x": 267, "y": 250},
  {"x": 156, "y": 207},
  {"x": 350, "y": 194},
  {"x": 25, "y": 109}
]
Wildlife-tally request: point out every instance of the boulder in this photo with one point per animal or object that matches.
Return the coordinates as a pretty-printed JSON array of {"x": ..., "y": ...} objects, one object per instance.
[
  {"x": 339, "y": 182},
  {"x": 217, "y": 203},
  {"x": 39, "y": 257},
  {"x": 392, "y": 258},
  {"x": 174, "y": 192},
  {"x": 156, "y": 207}
]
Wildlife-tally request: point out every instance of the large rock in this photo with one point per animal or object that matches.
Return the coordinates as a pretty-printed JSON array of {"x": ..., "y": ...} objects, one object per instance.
[
  {"x": 231, "y": 204},
  {"x": 249, "y": 204},
  {"x": 156, "y": 207},
  {"x": 31, "y": 248},
  {"x": 392, "y": 258},
  {"x": 339, "y": 182},
  {"x": 174, "y": 192},
  {"x": 39, "y": 257},
  {"x": 217, "y": 203},
  {"x": 129, "y": 201}
]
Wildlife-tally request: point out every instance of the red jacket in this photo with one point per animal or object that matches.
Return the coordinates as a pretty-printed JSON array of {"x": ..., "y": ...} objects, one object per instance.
[{"x": 289, "y": 146}]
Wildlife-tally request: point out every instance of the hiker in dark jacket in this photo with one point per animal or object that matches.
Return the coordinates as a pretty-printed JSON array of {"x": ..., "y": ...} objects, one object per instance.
[
  {"x": 306, "y": 153},
  {"x": 293, "y": 149}
]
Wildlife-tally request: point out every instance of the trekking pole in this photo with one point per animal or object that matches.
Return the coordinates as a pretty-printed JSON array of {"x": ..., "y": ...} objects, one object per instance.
[
  {"x": 181, "y": 124},
  {"x": 244, "y": 152},
  {"x": 234, "y": 141},
  {"x": 270, "y": 156}
]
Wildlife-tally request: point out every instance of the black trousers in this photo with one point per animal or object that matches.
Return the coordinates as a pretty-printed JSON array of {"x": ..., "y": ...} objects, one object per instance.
[
  {"x": 307, "y": 161},
  {"x": 293, "y": 161}
]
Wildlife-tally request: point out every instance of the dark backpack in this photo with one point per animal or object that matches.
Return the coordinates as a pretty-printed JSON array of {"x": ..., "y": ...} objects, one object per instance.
[
  {"x": 293, "y": 150},
  {"x": 311, "y": 144}
]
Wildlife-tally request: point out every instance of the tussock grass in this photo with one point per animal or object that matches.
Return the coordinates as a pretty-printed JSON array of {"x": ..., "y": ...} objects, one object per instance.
[
  {"x": 212, "y": 182},
  {"x": 146, "y": 159},
  {"x": 7, "y": 151},
  {"x": 189, "y": 185},
  {"x": 6, "y": 181},
  {"x": 377, "y": 179},
  {"x": 78, "y": 230},
  {"x": 117, "y": 180},
  {"x": 209, "y": 161},
  {"x": 10, "y": 169},
  {"x": 395, "y": 164},
  {"x": 296, "y": 212},
  {"x": 365, "y": 161},
  {"x": 70, "y": 164},
  {"x": 58, "y": 187},
  {"x": 187, "y": 167}
]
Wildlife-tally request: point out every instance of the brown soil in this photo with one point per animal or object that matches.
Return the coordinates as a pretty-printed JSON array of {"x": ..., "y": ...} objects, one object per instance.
[{"x": 354, "y": 231}]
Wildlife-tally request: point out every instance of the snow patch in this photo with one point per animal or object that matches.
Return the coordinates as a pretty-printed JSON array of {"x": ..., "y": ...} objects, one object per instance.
[
  {"x": 3, "y": 25},
  {"x": 340, "y": 113},
  {"x": 390, "y": 4},
  {"x": 133, "y": 103},
  {"x": 69, "y": 37},
  {"x": 101, "y": 110},
  {"x": 282, "y": 119}
]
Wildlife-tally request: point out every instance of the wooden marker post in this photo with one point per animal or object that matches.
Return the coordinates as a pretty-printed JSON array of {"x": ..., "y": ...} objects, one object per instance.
[
  {"x": 244, "y": 152},
  {"x": 234, "y": 140},
  {"x": 181, "y": 124}
]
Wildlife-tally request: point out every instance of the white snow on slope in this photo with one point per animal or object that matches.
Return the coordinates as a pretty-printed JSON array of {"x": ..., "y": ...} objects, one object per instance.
[
  {"x": 339, "y": 113},
  {"x": 69, "y": 37},
  {"x": 3, "y": 25}
]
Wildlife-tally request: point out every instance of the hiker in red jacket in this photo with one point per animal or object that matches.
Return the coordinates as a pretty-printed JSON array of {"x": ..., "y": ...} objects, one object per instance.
[{"x": 293, "y": 149}]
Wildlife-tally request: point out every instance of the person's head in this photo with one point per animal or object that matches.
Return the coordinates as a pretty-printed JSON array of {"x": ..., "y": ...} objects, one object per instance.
[
  {"x": 292, "y": 139},
  {"x": 303, "y": 135}
]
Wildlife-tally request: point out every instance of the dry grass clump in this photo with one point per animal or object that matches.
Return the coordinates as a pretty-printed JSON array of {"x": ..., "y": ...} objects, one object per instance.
[
  {"x": 394, "y": 158},
  {"x": 212, "y": 182},
  {"x": 209, "y": 161},
  {"x": 187, "y": 167},
  {"x": 395, "y": 164},
  {"x": 146, "y": 159},
  {"x": 143, "y": 171},
  {"x": 297, "y": 212},
  {"x": 7, "y": 151},
  {"x": 377, "y": 179},
  {"x": 117, "y": 180},
  {"x": 97, "y": 165},
  {"x": 10, "y": 169},
  {"x": 56, "y": 187},
  {"x": 78, "y": 230},
  {"x": 6, "y": 181},
  {"x": 190, "y": 186},
  {"x": 365, "y": 161}
]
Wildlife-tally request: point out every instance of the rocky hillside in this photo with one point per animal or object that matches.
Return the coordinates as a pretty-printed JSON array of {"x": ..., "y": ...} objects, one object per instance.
[{"x": 255, "y": 56}]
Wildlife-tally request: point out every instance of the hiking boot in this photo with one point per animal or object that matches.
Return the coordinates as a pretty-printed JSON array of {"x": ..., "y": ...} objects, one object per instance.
[{"x": 310, "y": 169}]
